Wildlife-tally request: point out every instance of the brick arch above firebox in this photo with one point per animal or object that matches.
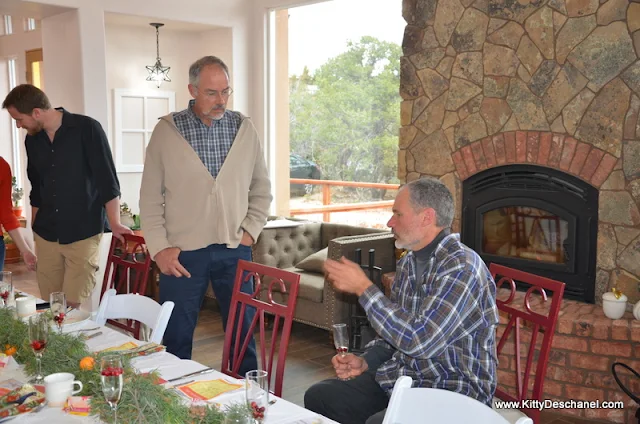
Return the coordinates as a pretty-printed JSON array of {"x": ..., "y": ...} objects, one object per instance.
[{"x": 558, "y": 151}]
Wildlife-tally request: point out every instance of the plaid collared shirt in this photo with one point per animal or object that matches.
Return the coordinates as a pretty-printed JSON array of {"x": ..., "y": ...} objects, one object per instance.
[
  {"x": 439, "y": 329},
  {"x": 210, "y": 143}
]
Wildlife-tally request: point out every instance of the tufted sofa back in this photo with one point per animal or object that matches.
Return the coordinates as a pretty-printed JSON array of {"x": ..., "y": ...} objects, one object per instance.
[{"x": 284, "y": 247}]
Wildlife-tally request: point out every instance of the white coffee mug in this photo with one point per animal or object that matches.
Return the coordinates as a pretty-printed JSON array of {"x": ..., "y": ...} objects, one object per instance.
[
  {"x": 25, "y": 306},
  {"x": 58, "y": 387}
]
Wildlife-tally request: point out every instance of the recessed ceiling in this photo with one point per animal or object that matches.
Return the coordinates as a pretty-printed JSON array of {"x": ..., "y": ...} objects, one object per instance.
[
  {"x": 144, "y": 21},
  {"x": 27, "y": 9}
]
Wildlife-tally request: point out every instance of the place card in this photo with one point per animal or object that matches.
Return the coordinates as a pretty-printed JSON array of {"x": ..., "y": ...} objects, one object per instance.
[
  {"x": 207, "y": 389},
  {"x": 78, "y": 405}
]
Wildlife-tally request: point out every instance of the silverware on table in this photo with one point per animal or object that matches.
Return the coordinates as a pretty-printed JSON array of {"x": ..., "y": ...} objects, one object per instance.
[
  {"x": 85, "y": 329},
  {"x": 91, "y": 336},
  {"x": 180, "y": 384},
  {"x": 204, "y": 371}
]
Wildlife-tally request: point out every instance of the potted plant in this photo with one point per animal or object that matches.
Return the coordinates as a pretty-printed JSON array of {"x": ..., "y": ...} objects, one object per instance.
[
  {"x": 12, "y": 253},
  {"x": 126, "y": 217},
  {"x": 16, "y": 196}
]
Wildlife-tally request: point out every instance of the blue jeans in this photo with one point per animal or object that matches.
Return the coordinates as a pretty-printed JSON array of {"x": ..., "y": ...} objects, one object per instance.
[
  {"x": 3, "y": 250},
  {"x": 215, "y": 263}
]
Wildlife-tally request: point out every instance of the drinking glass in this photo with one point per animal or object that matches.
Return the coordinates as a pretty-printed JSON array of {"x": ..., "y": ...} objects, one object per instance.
[
  {"x": 58, "y": 305},
  {"x": 111, "y": 377},
  {"x": 257, "y": 394},
  {"x": 6, "y": 288},
  {"x": 341, "y": 338},
  {"x": 38, "y": 335}
]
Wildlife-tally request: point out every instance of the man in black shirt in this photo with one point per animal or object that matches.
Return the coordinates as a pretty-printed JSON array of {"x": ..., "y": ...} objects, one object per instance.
[{"x": 74, "y": 191}]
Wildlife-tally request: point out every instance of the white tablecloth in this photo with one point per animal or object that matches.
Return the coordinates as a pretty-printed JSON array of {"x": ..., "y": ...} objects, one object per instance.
[{"x": 169, "y": 366}]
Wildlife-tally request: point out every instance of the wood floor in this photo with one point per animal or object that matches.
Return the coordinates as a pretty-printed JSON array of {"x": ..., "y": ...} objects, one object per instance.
[{"x": 308, "y": 359}]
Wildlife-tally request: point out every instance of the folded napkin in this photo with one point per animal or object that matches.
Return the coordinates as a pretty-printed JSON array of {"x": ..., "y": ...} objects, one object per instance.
[
  {"x": 132, "y": 349},
  {"x": 9, "y": 409},
  {"x": 207, "y": 389}
]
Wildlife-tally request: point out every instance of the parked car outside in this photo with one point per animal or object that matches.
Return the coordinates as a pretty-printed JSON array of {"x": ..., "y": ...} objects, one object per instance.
[{"x": 300, "y": 167}]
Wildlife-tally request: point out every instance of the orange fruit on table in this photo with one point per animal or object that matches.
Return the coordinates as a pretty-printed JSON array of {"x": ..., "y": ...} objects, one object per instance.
[
  {"x": 87, "y": 363},
  {"x": 10, "y": 350}
]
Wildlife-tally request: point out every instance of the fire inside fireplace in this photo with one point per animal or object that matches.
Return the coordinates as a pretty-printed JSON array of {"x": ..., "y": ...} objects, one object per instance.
[{"x": 535, "y": 219}]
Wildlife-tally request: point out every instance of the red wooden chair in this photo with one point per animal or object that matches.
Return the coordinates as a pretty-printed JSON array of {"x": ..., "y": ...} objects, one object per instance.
[
  {"x": 538, "y": 317},
  {"x": 127, "y": 271},
  {"x": 267, "y": 348}
]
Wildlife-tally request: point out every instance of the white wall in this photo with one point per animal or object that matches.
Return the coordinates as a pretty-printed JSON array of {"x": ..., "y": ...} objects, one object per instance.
[
  {"x": 62, "y": 64},
  {"x": 129, "y": 49}
]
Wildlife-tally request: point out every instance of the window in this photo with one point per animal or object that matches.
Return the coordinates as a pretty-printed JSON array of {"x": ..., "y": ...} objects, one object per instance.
[
  {"x": 136, "y": 114},
  {"x": 15, "y": 132},
  {"x": 30, "y": 24},
  {"x": 7, "y": 25}
]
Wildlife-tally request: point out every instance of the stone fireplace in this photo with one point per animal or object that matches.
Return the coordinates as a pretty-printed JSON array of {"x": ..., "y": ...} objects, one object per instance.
[{"x": 493, "y": 88}]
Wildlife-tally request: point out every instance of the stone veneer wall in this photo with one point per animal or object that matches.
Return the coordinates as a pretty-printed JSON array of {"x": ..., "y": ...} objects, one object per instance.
[{"x": 550, "y": 82}]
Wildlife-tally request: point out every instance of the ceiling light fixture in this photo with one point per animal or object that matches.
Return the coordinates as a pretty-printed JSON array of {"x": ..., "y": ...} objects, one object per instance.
[{"x": 157, "y": 72}]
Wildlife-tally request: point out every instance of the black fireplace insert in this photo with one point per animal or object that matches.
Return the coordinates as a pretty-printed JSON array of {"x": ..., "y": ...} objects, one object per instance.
[{"x": 535, "y": 219}]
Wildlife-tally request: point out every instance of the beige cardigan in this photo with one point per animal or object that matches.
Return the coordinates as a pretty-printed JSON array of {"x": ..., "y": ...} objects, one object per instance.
[{"x": 182, "y": 205}]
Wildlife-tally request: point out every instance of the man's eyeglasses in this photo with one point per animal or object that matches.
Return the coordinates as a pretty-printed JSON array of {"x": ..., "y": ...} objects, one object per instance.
[{"x": 214, "y": 93}]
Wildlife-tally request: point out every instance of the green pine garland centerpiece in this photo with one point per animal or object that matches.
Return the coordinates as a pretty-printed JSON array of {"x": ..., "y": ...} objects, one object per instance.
[{"x": 142, "y": 400}]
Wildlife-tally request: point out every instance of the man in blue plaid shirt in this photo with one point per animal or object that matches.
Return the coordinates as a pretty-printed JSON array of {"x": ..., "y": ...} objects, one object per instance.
[{"x": 438, "y": 326}]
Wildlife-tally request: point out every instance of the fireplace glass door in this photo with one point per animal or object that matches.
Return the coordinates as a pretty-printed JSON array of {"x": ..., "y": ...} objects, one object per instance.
[
  {"x": 525, "y": 233},
  {"x": 534, "y": 219}
]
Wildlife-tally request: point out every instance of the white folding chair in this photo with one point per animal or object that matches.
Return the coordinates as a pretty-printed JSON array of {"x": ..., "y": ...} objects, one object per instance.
[
  {"x": 419, "y": 405},
  {"x": 137, "y": 308}
]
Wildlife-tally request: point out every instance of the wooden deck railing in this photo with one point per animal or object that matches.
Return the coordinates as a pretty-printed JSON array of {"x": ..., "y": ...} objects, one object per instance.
[{"x": 327, "y": 207}]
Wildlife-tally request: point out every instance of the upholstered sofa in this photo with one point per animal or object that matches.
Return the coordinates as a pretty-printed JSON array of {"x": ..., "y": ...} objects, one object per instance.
[{"x": 286, "y": 243}]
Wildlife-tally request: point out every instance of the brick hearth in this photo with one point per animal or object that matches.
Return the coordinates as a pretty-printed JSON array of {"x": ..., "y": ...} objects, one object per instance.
[{"x": 585, "y": 345}]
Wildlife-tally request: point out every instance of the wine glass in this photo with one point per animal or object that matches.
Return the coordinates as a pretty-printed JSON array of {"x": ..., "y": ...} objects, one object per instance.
[
  {"x": 341, "y": 338},
  {"x": 111, "y": 377},
  {"x": 257, "y": 394},
  {"x": 6, "y": 288},
  {"x": 38, "y": 335},
  {"x": 58, "y": 305}
]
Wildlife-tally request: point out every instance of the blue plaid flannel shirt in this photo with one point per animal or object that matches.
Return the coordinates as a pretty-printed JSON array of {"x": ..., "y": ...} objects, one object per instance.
[
  {"x": 210, "y": 143},
  {"x": 440, "y": 330}
]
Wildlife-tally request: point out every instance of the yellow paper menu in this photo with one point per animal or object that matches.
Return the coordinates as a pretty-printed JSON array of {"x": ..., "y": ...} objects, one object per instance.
[
  {"x": 126, "y": 346},
  {"x": 208, "y": 389}
]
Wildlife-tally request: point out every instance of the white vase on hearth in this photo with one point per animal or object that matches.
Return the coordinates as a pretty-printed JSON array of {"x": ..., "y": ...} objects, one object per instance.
[
  {"x": 636, "y": 311},
  {"x": 613, "y": 307}
]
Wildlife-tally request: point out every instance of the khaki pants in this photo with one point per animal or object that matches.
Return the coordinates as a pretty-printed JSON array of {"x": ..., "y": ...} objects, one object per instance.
[{"x": 69, "y": 268}]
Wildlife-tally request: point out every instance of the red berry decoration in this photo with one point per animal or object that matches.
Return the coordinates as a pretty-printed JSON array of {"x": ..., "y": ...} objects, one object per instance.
[
  {"x": 38, "y": 345},
  {"x": 4, "y": 295},
  {"x": 112, "y": 372}
]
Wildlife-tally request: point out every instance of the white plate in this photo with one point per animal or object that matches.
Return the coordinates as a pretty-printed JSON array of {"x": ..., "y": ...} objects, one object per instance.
[
  {"x": 72, "y": 319},
  {"x": 75, "y": 317}
]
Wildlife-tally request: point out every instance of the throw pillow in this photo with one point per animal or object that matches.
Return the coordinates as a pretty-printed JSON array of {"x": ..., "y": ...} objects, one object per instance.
[{"x": 314, "y": 262}]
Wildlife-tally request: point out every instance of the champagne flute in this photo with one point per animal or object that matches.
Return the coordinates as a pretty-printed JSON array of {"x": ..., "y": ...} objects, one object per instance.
[
  {"x": 38, "y": 335},
  {"x": 257, "y": 394},
  {"x": 341, "y": 341},
  {"x": 6, "y": 288},
  {"x": 341, "y": 338},
  {"x": 58, "y": 305},
  {"x": 111, "y": 377}
]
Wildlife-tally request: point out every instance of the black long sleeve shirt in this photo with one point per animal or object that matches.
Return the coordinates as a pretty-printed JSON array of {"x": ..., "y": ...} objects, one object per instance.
[{"x": 71, "y": 179}]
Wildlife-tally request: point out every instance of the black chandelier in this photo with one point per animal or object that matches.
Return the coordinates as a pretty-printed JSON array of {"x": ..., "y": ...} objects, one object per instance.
[{"x": 157, "y": 72}]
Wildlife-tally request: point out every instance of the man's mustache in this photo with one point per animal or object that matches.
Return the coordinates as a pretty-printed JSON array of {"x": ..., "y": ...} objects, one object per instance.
[{"x": 219, "y": 107}]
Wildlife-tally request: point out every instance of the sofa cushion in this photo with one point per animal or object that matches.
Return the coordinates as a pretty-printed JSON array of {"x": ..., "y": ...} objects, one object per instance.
[
  {"x": 314, "y": 262},
  {"x": 311, "y": 285},
  {"x": 284, "y": 247}
]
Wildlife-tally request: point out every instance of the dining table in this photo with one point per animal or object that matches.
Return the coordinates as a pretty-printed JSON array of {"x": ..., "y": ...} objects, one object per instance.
[{"x": 169, "y": 367}]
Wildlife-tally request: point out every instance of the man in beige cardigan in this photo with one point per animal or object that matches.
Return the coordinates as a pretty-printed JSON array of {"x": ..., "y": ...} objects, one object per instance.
[{"x": 204, "y": 200}]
